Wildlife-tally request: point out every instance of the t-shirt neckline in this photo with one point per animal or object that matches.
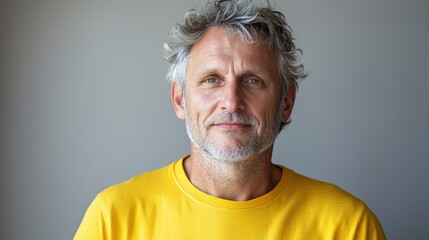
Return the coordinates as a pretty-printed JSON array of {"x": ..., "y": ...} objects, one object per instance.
[{"x": 193, "y": 192}]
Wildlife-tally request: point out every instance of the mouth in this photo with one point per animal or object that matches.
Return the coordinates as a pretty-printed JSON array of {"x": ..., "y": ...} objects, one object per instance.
[{"x": 232, "y": 125}]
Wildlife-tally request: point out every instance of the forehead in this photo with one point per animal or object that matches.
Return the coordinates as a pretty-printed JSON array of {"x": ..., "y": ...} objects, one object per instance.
[{"x": 218, "y": 47}]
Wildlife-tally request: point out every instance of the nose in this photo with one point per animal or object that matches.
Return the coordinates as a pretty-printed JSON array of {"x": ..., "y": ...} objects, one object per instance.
[{"x": 232, "y": 97}]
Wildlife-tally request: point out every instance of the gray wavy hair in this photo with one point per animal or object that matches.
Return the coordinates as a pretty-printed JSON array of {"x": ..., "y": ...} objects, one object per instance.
[{"x": 241, "y": 17}]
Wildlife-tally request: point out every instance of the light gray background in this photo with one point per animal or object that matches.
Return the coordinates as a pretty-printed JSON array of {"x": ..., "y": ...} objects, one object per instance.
[{"x": 84, "y": 105}]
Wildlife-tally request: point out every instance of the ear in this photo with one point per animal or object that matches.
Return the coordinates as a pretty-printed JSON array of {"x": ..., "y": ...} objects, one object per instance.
[
  {"x": 289, "y": 102},
  {"x": 176, "y": 99}
]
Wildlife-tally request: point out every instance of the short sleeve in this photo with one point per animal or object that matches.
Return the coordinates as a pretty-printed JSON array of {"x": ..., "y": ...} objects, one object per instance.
[
  {"x": 93, "y": 225},
  {"x": 369, "y": 228}
]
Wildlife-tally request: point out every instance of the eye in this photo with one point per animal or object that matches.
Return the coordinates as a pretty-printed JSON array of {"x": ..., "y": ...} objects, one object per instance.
[
  {"x": 211, "y": 80},
  {"x": 254, "y": 83}
]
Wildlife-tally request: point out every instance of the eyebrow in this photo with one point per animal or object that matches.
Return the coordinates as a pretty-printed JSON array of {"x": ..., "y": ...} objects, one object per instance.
[{"x": 216, "y": 69}]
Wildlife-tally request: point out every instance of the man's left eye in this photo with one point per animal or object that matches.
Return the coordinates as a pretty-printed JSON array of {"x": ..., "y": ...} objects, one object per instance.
[{"x": 254, "y": 82}]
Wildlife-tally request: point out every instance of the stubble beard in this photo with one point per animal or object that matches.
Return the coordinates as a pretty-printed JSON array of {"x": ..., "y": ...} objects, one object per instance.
[{"x": 240, "y": 152}]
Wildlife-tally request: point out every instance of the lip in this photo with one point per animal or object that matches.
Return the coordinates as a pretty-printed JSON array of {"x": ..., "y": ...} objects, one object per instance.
[{"x": 231, "y": 125}]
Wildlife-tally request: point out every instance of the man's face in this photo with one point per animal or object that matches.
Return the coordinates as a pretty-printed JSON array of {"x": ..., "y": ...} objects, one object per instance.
[{"x": 232, "y": 100}]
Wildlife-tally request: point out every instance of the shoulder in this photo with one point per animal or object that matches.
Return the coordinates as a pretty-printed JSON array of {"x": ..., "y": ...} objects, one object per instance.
[
  {"x": 331, "y": 209},
  {"x": 139, "y": 187},
  {"x": 325, "y": 199},
  {"x": 118, "y": 207},
  {"x": 318, "y": 190}
]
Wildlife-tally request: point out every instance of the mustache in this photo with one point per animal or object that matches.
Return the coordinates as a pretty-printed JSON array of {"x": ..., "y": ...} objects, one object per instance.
[{"x": 232, "y": 117}]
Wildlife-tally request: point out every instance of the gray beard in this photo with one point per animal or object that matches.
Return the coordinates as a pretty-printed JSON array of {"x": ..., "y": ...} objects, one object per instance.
[{"x": 247, "y": 150}]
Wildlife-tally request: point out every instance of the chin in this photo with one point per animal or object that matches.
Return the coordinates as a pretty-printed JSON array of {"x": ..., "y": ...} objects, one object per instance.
[{"x": 230, "y": 154}]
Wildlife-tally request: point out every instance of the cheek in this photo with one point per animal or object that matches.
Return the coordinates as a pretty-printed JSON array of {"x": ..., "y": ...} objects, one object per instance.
[
  {"x": 200, "y": 107},
  {"x": 266, "y": 114}
]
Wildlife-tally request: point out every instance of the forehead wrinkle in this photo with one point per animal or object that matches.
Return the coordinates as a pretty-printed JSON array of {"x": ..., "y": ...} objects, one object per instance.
[
  {"x": 227, "y": 63},
  {"x": 212, "y": 65},
  {"x": 247, "y": 65},
  {"x": 219, "y": 55},
  {"x": 211, "y": 56}
]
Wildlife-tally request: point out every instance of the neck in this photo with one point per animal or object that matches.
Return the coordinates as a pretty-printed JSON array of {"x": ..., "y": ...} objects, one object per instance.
[{"x": 239, "y": 180}]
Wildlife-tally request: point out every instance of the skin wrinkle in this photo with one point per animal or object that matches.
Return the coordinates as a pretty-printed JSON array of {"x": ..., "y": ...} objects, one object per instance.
[
  {"x": 244, "y": 88},
  {"x": 221, "y": 56}
]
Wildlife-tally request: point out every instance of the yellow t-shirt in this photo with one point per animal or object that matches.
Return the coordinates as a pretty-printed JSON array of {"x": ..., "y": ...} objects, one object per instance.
[{"x": 163, "y": 204}]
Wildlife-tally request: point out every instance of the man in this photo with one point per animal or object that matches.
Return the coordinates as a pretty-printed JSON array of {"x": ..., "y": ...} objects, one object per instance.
[{"x": 234, "y": 71}]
